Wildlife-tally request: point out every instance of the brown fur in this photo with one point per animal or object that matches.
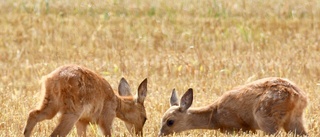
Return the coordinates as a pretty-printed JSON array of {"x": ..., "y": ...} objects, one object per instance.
[
  {"x": 82, "y": 97},
  {"x": 267, "y": 104}
]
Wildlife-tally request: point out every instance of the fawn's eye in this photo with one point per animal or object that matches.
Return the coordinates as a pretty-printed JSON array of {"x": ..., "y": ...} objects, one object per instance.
[{"x": 170, "y": 122}]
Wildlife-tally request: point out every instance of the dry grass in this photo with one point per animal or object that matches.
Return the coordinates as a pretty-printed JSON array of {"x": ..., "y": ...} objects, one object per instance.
[{"x": 210, "y": 46}]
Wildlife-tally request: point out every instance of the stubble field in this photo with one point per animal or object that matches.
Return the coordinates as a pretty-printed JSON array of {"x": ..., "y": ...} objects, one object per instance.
[{"x": 210, "y": 46}]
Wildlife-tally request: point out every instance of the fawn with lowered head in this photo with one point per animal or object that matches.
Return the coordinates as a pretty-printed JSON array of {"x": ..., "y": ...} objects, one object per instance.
[
  {"x": 82, "y": 97},
  {"x": 267, "y": 104}
]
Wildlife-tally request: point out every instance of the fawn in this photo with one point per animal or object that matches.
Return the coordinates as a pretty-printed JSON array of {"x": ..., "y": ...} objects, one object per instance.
[
  {"x": 82, "y": 97},
  {"x": 267, "y": 104}
]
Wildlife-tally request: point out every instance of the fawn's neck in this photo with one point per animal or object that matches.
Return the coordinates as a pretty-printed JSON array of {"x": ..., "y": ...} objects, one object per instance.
[
  {"x": 123, "y": 106},
  {"x": 202, "y": 117}
]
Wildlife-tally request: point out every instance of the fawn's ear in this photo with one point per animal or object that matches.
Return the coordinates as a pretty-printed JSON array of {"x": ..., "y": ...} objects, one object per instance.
[
  {"x": 142, "y": 91},
  {"x": 124, "y": 88},
  {"x": 186, "y": 100},
  {"x": 174, "y": 101}
]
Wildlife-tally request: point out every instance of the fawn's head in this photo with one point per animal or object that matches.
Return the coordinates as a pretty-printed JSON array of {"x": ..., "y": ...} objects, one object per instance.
[
  {"x": 132, "y": 110},
  {"x": 175, "y": 118}
]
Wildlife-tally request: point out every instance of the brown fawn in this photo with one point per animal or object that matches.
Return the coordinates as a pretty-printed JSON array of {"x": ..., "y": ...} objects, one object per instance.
[
  {"x": 267, "y": 104},
  {"x": 82, "y": 97}
]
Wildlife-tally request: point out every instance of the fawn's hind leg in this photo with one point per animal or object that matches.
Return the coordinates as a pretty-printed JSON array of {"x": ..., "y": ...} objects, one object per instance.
[
  {"x": 295, "y": 125},
  {"x": 47, "y": 111}
]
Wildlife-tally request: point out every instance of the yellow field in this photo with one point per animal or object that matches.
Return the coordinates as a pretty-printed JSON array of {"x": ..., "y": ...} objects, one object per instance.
[{"x": 210, "y": 46}]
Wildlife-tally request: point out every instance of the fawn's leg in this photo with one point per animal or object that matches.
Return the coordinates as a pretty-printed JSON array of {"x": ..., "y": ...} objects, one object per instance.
[
  {"x": 268, "y": 126},
  {"x": 295, "y": 125},
  {"x": 105, "y": 121},
  {"x": 47, "y": 111},
  {"x": 66, "y": 123},
  {"x": 267, "y": 123},
  {"x": 81, "y": 128}
]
